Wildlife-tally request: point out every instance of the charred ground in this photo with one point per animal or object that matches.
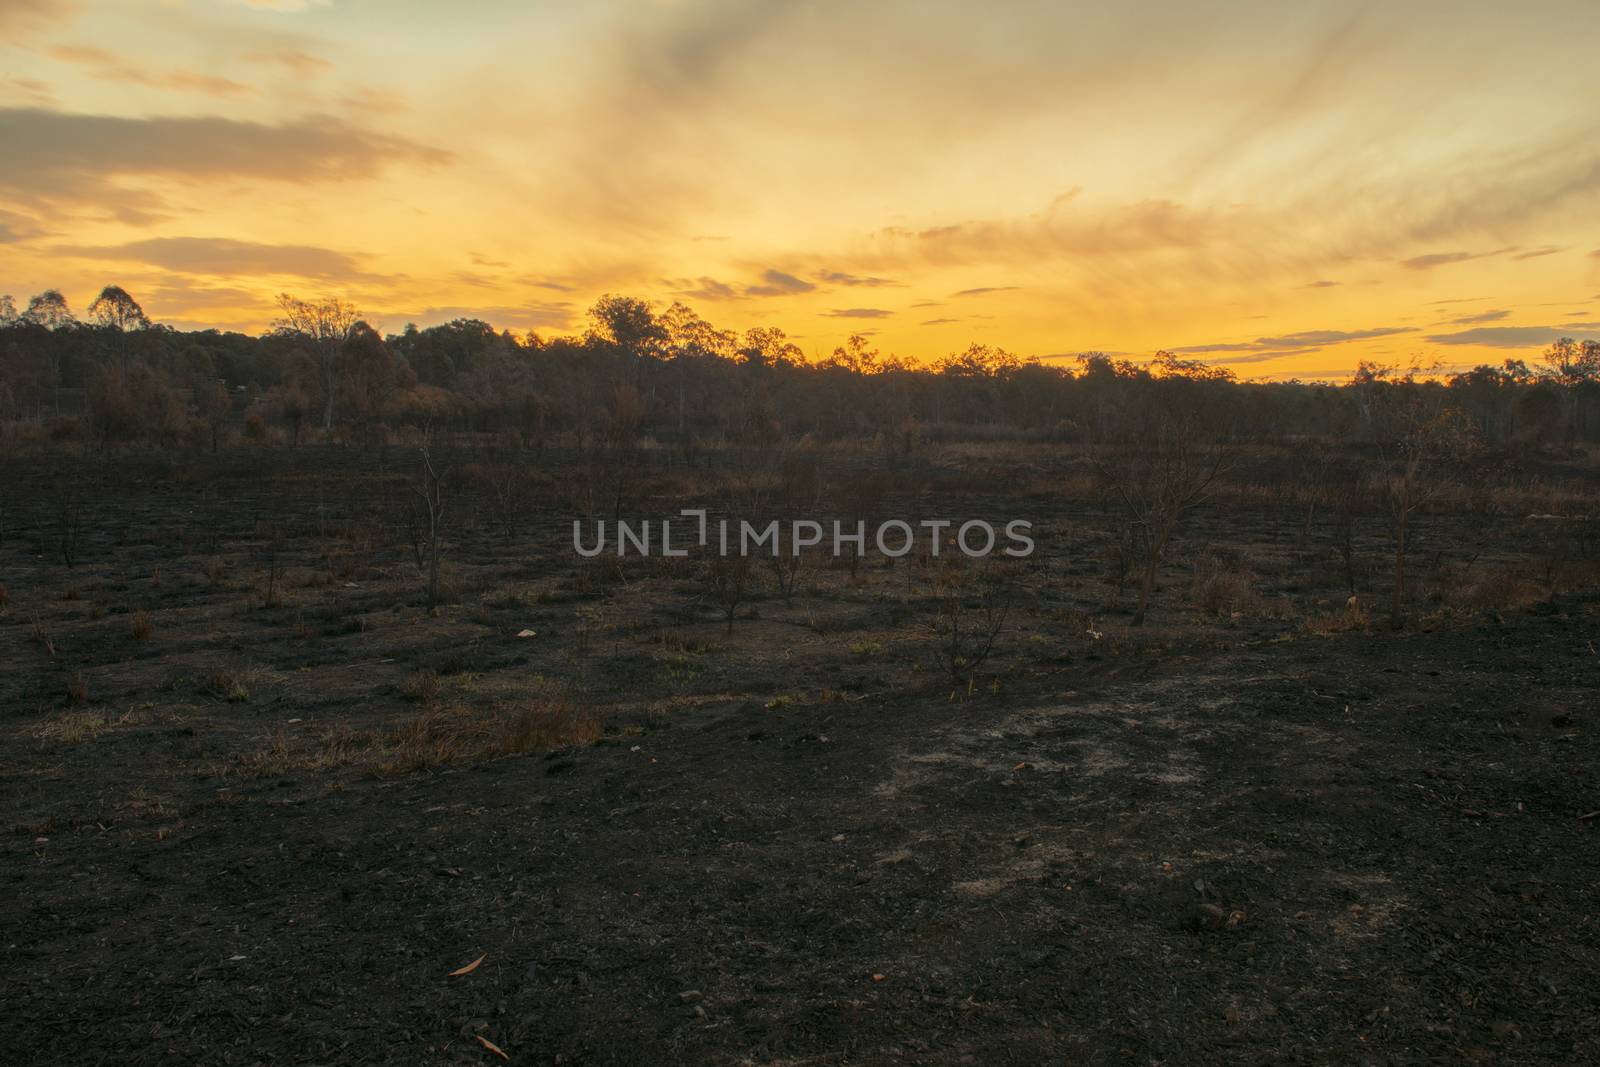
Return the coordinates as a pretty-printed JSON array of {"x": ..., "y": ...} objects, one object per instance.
[{"x": 261, "y": 800}]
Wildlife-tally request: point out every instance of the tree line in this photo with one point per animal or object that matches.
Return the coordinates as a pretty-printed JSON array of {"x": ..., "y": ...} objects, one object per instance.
[{"x": 666, "y": 373}]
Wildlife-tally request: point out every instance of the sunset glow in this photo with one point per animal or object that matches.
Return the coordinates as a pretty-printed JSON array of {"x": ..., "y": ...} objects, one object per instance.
[{"x": 1286, "y": 189}]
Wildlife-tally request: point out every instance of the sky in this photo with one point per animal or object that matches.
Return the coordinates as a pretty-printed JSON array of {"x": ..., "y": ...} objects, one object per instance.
[{"x": 1286, "y": 189}]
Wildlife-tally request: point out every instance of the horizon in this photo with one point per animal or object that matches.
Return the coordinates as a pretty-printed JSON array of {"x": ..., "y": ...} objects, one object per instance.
[{"x": 1285, "y": 194}]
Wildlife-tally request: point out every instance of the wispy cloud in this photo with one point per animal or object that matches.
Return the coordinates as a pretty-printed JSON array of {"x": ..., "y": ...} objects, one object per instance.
[
  {"x": 531, "y": 316},
  {"x": 772, "y": 283},
  {"x": 985, "y": 289},
  {"x": 777, "y": 283},
  {"x": 104, "y": 66},
  {"x": 294, "y": 60},
  {"x": 858, "y": 313},
  {"x": 24, "y": 18},
  {"x": 1504, "y": 336},
  {"x": 222, "y": 256},
  {"x": 836, "y": 277},
  {"x": 1481, "y": 317},
  {"x": 1441, "y": 259},
  {"x": 1303, "y": 341},
  {"x": 58, "y": 158}
]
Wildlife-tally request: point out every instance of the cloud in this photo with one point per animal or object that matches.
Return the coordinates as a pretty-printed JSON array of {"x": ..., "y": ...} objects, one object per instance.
[
  {"x": 227, "y": 257},
  {"x": 858, "y": 313},
  {"x": 777, "y": 283},
  {"x": 293, "y": 60},
  {"x": 104, "y": 66},
  {"x": 1069, "y": 230},
  {"x": 938, "y": 322},
  {"x": 1482, "y": 316},
  {"x": 703, "y": 288},
  {"x": 14, "y": 228},
  {"x": 1319, "y": 285},
  {"x": 1440, "y": 259},
  {"x": 1503, "y": 336},
  {"x": 532, "y": 316},
  {"x": 773, "y": 283},
  {"x": 1535, "y": 253},
  {"x": 28, "y": 90},
  {"x": 1303, "y": 341},
  {"x": 23, "y": 18},
  {"x": 834, "y": 277},
  {"x": 287, "y": 6},
  {"x": 376, "y": 101},
  {"x": 55, "y": 157},
  {"x": 982, "y": 290}
]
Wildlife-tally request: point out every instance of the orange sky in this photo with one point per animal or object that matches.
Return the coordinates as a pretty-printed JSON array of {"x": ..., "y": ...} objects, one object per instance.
[{"x": 1286, "y": 188}]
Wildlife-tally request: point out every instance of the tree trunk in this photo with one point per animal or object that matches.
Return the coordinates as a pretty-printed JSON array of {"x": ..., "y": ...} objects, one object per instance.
[
  {"x": 1147, "y": 585},
  {"x": 433, "y": 566},
  {"x": 1396, "y": 605}
]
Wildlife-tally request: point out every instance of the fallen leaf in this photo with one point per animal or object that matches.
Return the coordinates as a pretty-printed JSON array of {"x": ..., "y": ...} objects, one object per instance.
[
  {"x": 877, "y": 978},
  {"x": 469, "y": 968},
  {"x": 1020, "y": 767},
  {"x": 491, "y": 1046}
]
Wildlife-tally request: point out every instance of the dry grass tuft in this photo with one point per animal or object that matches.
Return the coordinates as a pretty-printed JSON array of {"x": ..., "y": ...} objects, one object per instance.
[
  {"x": 228, "y": 685},
  {"x": 452, "y": 735},
  {"x": 1220, "y": 590},
  {"x": 73, "y": 727},
  {"x": 1353, "y": 616},
  {"x": 422, "y": 687},
  {"x": 139, "y": 627},
  {"x": 462, "y": 734},
  {"x": 1493, "y": 588}
]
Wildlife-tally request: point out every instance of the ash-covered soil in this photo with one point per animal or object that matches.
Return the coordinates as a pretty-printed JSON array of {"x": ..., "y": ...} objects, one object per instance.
[{"x": 1358, "y": 848}]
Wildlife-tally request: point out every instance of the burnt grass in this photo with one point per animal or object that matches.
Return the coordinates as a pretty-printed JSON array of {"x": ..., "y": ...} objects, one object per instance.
[{"x": 1270, "y": 832}]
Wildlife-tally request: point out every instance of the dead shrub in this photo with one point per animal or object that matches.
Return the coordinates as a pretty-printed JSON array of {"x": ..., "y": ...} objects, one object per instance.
[
  {"x": 421, "y": 687},
  {"x": 73, "y": 727},
  {"x": 5, "y": 596},
  {"x": 1493, "y": 588},
  {"x": 461, "y": 734},
  {"x": 1353, "y": 616},
  {"x": 77, "y": 689},
  {"x": 549, "y": 724},
  {"x": 1220, "y": 590},
  {"x": 139, "y": 627},
  {"x": 228, "y": 686}
]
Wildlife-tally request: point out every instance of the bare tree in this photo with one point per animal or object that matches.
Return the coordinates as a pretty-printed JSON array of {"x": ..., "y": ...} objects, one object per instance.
[
  {"x": 1153, "y": 481},
  {"x": 431, "y": 480},
  {"x": 323, "y": 326},
  {"x": 728, "y": 576},
  {"x": 971, "y": 602},
  {"x": 215, "y": 405},
  {"x": 69, "y": 519},
  {"x": 623, "y": 419},
  {"x": 1416, "y": 436}
]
